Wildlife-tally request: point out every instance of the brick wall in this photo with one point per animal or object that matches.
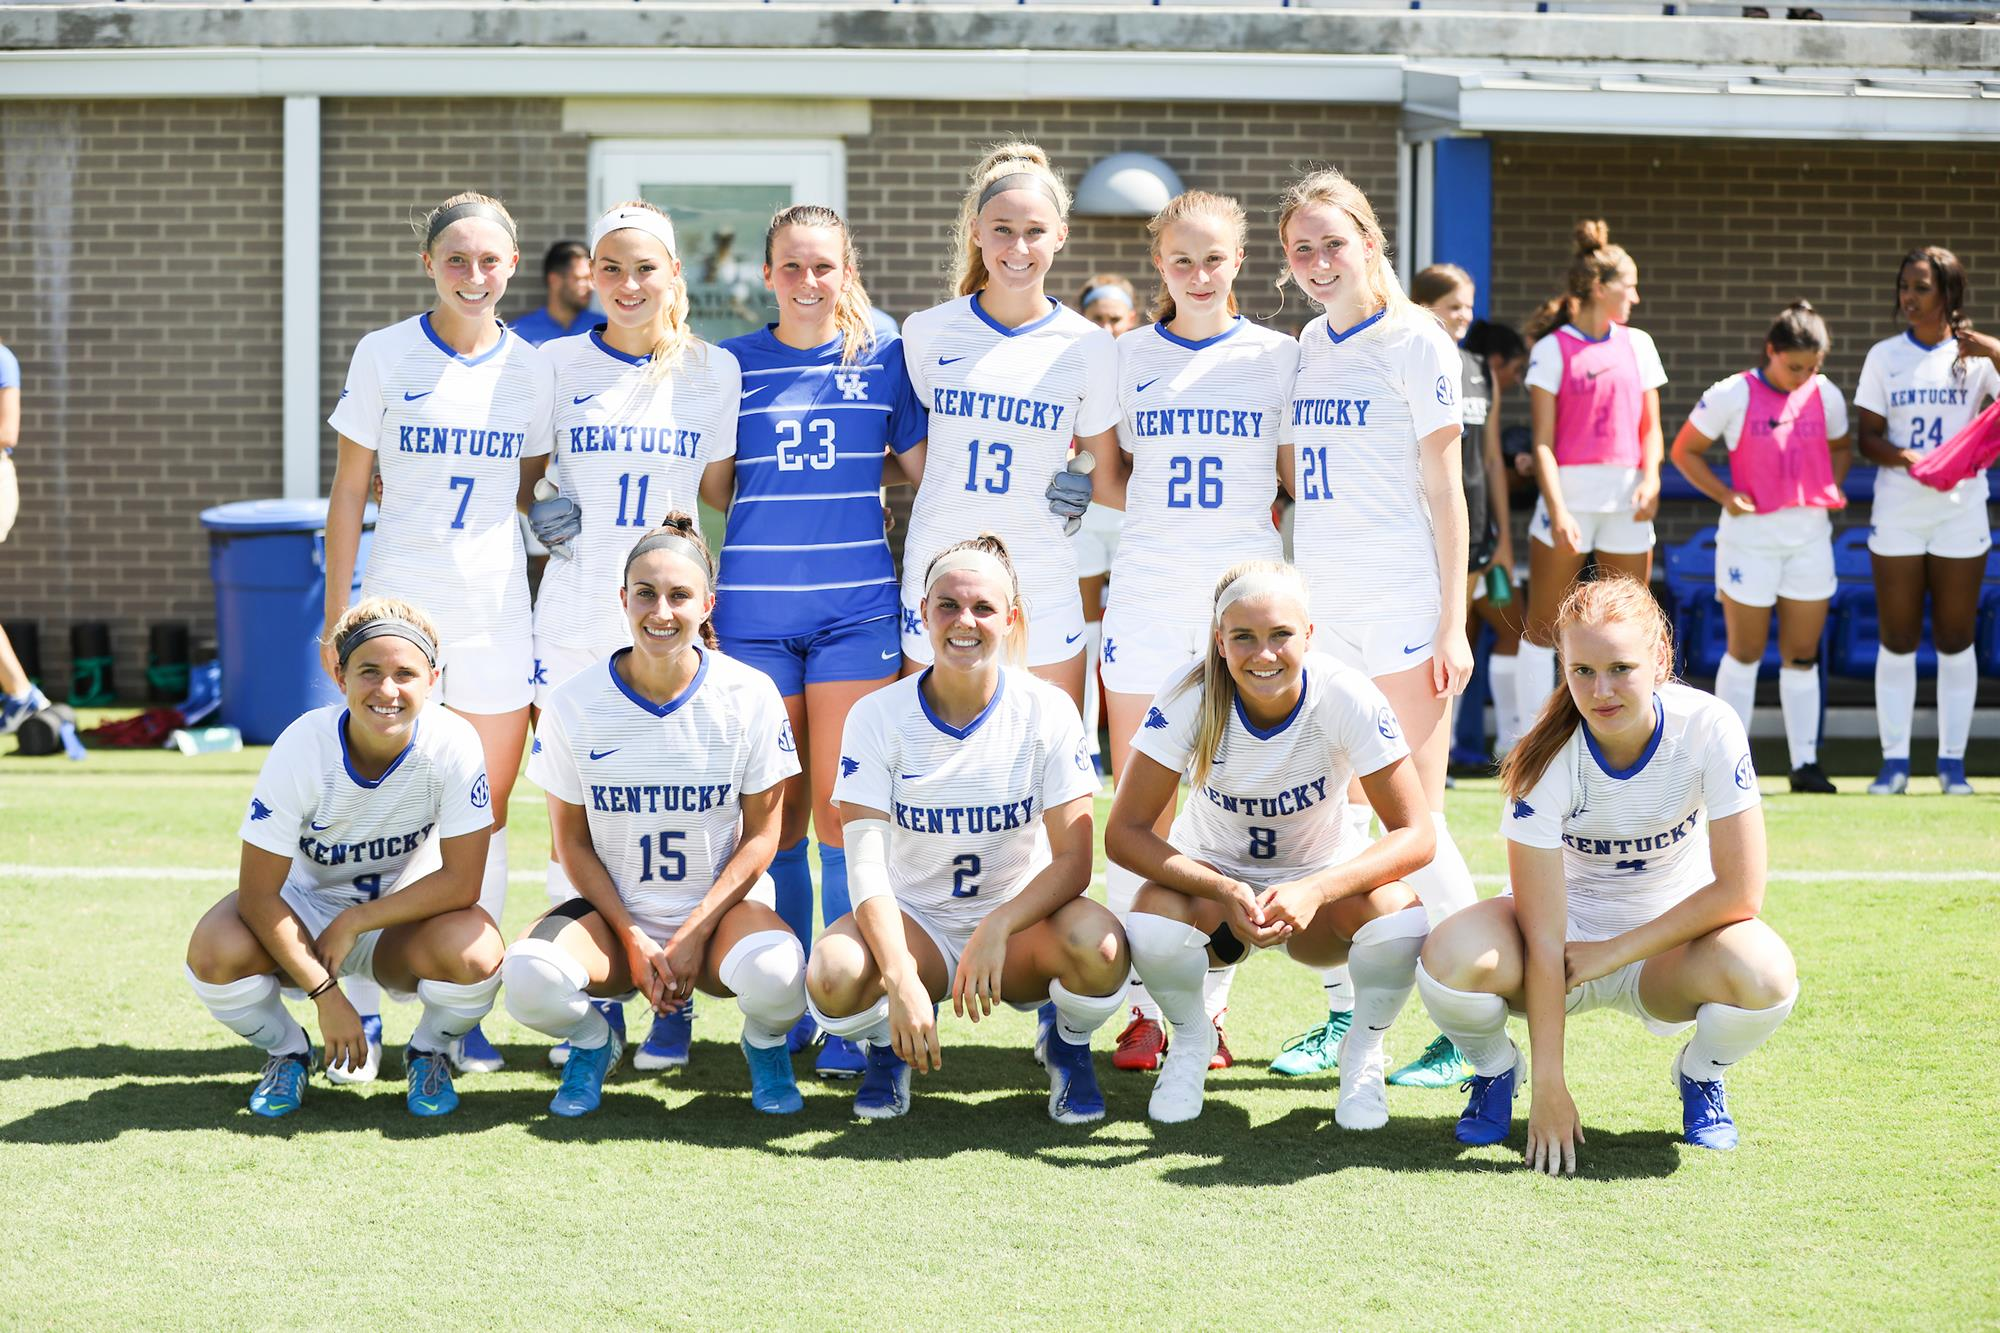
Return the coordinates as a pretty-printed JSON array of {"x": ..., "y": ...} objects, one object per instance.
[{"x": 139, "y": 250}]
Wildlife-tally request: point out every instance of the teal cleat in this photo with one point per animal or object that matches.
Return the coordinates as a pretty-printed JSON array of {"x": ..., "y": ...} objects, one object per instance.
[
  {"x": 773, "y": 1090},
  {"x": 1317, "y": 1051},
  {"x": 1440, "y": 1066},
  {"x": 583, "y": 1078},
  {"x": 283, "y": 1084},
  {"x": 429, "y": 1073}
]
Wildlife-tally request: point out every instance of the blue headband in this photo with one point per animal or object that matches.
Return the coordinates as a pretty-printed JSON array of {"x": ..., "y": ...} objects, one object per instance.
[{"x": 1107, "y": 293}]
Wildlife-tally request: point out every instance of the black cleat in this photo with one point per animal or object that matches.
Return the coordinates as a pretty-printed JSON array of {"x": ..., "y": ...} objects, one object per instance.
[{"x": 1808, "y": 778}]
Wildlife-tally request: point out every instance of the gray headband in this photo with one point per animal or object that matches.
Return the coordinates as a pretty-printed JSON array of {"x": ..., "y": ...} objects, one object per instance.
[
  {"x": 458, "y": 213},
  {"x": 1017, "y": 180},
  {"x": 671, "y": 541},
  {"x": 386, "y": 629}
]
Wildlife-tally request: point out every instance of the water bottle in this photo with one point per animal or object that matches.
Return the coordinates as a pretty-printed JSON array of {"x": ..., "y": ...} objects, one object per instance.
[{"x": 208, "y": 740}]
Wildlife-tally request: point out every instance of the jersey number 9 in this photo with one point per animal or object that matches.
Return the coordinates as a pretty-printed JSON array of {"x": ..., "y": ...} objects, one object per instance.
[{"x": 673, "y": 864}]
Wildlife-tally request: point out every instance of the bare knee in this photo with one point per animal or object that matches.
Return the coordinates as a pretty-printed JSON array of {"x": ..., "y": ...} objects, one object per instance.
[
  {"x": 835, "y": 975},
  {"x": 1466, "y": 953},
  {"x": 477, "y": 961},
  {"x": 1756, "y": 969},
  {"x": 1095, "y": 946}
]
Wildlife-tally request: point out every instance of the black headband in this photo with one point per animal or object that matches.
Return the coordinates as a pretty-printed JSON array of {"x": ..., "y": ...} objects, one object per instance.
[
  {"x": 457, "y": 212},
  {"x": 670, "y": 541},
  {"x": 1018, "y": 180},
  {"x": 386, "y": 629}
]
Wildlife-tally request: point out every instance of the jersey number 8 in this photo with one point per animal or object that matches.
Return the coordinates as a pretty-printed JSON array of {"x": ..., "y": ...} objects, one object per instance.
[{"x": 1263, "y": 844}]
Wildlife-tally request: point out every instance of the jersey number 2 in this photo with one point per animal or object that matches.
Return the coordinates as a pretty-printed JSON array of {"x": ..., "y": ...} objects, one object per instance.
[{"x": 963, "y": 867}]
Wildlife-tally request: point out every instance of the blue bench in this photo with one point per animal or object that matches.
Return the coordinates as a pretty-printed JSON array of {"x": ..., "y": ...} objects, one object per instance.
[
  {"x": 1854, "y": 629},
  {"x": 1701, "y": 635}
]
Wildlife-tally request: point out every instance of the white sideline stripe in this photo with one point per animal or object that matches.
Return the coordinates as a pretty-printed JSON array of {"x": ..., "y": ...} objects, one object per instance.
[{"x": 200, "y": 875}]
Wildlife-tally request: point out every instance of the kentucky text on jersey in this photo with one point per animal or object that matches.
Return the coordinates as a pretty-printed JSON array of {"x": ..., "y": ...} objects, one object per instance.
[
  {"x": 1288, "y": 802},
  {"x": 1622, "y": 846},
  {"x": 1198, "y": 421},
  {"x": 634, "y": 440},
  {"x": 1927, "y": 397},
  {"x": 964, "y": 818},
  {"x": 375, "y": 849},
  {"x": 460, "y": 440},
  {"x": 654, "y": 800},
  {"x": 1027, "y": 412},
  {"x": 1331, "y": 411}
]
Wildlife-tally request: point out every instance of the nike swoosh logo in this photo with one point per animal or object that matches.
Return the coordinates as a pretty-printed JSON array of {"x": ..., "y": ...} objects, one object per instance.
[
  {"x": 911, "y": 777},
  {"x": 759, "y": 389},
  {"x": 318, "y": 827},
  {"x": 1592, "y": 374},
  {"x": 1147, "y": 385},
  {"x": 1074, "y": 637},
  {"x": 892, "y": 654},
  {"x": 1419, "y": 648},
  {"x": 605, "y": 754},
  {"x": 586, "y": 398},
  {"x": 950, "y": 360},
  {"x": 409, "y": 397},
  {"x": 1373, "y": 1028}
]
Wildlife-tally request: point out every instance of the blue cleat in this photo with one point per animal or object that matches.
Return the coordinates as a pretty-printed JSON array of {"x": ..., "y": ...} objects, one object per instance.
[
  {"x": 1489, "y": 1112},
  {"x": 1705, "y": 1120},
  {"x": 1074, "y": 1098},
  {"x": 18, "y": 708},
  {"x": 885, "y": 1089},
  {"x": 1951, "y": 777},
  {"x": 803, "y": 1034},
  {"x": 667, "y": 1044},
  {"x": 473, "y": 1054},
  {"x": 1893, "y": 780},
  {"x": 611, "y": 1011},
  {"x": 283, "y": 1084},
  {"x": 430, "y": 1092},
  {"x": 840, "y": 1058},
  {"x": 773, "y": 1090},
  {"x": 1045, "y": 1023},
  {"x": 583, "y": 1078}
]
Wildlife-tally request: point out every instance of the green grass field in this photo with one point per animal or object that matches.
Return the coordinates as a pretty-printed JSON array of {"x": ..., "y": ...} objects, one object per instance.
[{"x": 139, "y": 1191}]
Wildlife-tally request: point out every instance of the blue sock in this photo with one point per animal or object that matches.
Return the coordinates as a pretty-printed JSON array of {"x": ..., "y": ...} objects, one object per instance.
[
  {"x": 792, "y": 877},
  {"x": 833, "y": 900}
]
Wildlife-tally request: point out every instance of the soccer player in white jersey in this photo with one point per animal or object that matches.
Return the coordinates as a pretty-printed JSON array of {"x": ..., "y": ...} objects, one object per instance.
[
  {"x": 450, "y": 406},
  {"x": 1269, "y": 733},
  {"x": 1917, "y": 390},
  {"x": 1785, "y": 426},
  {"x": 966, "y": 793},
  {"x": 1011, "y": 377},
  {"x": 348, "y": 797},
  {"x": 1202, "y": 392},
  {"x": 645, "y": 420},
  {"x": 1635, "y": 850},
  {"x": 1371, "y": 455},
  {"x": 663, "y": 765}
]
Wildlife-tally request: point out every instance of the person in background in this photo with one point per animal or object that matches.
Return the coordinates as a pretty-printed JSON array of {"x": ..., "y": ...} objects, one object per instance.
[
  {"x": 566, "y": 279},
  {"x": 19, "y": 699},
  {"x": 1109, "y": 301}
]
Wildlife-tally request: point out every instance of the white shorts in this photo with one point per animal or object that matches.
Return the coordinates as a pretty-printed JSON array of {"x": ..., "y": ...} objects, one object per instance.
[
  {"x": 950, "y": 940},
  {"x": 556, "y": 664},
  {"x": 1097, "y": 540},
  {"x": 318, "y": 913},
  {"x": 1141, "y": 653},
  {"x": 1055, "y": 634},
  {"x": 10, "y": 496},
  {"x": 1759, "y": 574},
  {"x": 1614, "y": 533},
  {"x": 1620, "y": 991},
  {"x": 1378, "y": 648},
  {"x": 660, "y": 929},
  {"x": 1954, "y": 532},
  {"x": 490, "y": 678}
]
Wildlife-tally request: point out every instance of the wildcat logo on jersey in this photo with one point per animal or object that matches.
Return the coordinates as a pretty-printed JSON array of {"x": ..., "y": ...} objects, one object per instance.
[
  {"x": 785, "y": 741},
  {"x": 1156, "y": 719},
  {"x": 1522, "y": 810},
  {"x": 1746, "y": 776},
  {"x": 538, "y": 746},
  {"x": 258, "y": 810},
  {"x": 849, "y": 767},
  {"x": 1385, "y": 722},
  {"x": 852, "y": 384},
  {"x": 481, "y": 794}
]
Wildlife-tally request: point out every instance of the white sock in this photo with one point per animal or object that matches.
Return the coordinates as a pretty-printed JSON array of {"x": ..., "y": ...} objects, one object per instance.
[
  {"x": 1383, "y": 961},
  {"x": 1736, "y": 685},
  {"x": 870, "y": 1026},
  {"x": 1798, "y": 693},
  {"x": 560, "y": 889},
  {"x": 1957, "y": 687},
  {"x": 1500, "y": 671},
  {"x": 1534, "y": 679},
  {"x": 1724, "y": 1034},
  {"x": 1121, "y": 888},
  {"x": 364, "y": 994},
  {"x": 1895, "y": 700},
  {"x": 1475, "y": 1021},
  {"x": 1173, "y": 958},
  {"x": 493, "y": 883},
  {"x": 1215, "y": 988},
  {"x": 1077, "y": 1016},
  {"x": 1093, "y": 642},
  {"x": 546, "y": 992},
  {"x": 252, "y": 1010},
  {"x": 767, "y": 973},
  {"x": 451, "y": 1010},
  {"x": 1445, "y": 885},
  {"x": 1338, "y": 984}
]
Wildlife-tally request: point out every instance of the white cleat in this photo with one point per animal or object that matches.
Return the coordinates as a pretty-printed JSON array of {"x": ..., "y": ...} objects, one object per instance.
[
  {"x": 1183, "y": 1074},
  {"x": 1364, "y": 1086},
  {"x": 371, "y": 1028}
]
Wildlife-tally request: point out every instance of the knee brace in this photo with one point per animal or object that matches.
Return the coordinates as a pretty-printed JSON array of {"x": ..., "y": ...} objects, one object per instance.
[
  {"x": 766, "y": 971},
  {"x": 545, "y": 987}
]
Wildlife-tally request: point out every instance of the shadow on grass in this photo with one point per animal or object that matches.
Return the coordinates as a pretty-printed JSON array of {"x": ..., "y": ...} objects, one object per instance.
[{"x": 108, "y": 1062}]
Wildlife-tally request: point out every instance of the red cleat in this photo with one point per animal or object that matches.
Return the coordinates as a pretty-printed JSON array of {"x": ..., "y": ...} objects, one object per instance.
[
  {"x": 1222, "y": 1059},
  {"x": 1141, "y": 1044}
]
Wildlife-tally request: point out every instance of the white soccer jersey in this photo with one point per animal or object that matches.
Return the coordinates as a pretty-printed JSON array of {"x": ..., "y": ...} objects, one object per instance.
[
  {"x": 1271, "y": 807},
  {"x": 1635, "y": 840},
  {"x": 1719, "y": 416},
  {"x": 350, "y": 839},
  {"x": 448, "y": 433},
  {"x": 662, "y": 784},
  {"x": 629, "y": 453},
  {"x": 1004, "y": 405},
  {"x": 1362, "y": 535},
  {"x": 965, "y": 805},
  {"x": 1925, "y": 395},
  {"x": 1201, "y": 422}
]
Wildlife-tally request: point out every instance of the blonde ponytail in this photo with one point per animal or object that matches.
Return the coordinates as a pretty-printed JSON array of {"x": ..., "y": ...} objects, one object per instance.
[
  {"x": 670, "y": 350},
  {"x": 968, "y": 273},
  {"x": 852, "y": 311},
  {"x": 1211, "y": 674}
]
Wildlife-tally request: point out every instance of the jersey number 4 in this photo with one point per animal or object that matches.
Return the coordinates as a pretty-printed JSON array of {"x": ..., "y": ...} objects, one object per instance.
[
  {"x": 659, "y": 849},
  {"x": 963, "y": 867}
]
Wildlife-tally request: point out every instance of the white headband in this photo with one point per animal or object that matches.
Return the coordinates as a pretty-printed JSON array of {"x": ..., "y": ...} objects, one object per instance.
[
  {"x": 639, "y": 219},
  {"x": 973, "y": 558},
  {"x": 1258, "y": 583}
]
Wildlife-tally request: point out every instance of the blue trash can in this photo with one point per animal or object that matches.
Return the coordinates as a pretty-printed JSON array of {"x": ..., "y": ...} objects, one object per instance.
[{"x": 268, "y": 559}]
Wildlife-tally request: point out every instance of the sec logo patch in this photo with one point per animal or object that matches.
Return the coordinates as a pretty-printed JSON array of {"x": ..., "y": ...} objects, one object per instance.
[
  {"x": 1746, "y": 776},
  {"x": 481, "y": 796},
  {"x": 1446, "y": 394}
]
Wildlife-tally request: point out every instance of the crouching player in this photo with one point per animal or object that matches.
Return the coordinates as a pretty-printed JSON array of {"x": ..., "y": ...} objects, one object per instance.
[
  {"x": 663, "y": 765},
  {"x": 1269, "y": 733},
  {"x": 965, "y": 795},
  {"x": 346, "y": 799},
  {"x": 1636, "y": 854}
]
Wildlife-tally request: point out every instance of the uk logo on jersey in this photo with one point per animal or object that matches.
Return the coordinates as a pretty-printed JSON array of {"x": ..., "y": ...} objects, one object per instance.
[
  {"x": 258, "y": 810},
  {"x": 1385, "y": 722},
  {"x": 1746, "y": 776},
  {"x": 1156, "y": 719},
  {"x": 852, "y": 384},
  {"x": 785, "y": 741},
  {"x": 481, "y": 794},
  {"x": 1522, "y": 810},
  {"x": 849, "y": 767}
]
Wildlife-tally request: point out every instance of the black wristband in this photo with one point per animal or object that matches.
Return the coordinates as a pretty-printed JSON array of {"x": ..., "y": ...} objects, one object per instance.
[{"x": 323, "y": 987}]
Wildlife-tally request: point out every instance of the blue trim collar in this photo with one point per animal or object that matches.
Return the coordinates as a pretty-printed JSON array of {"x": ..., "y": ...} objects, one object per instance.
[
  {"x": 639, "y": 700},
  {"x": 424, "y": 322},
  {"x": 347, "y": 755},
  {"x": 1645, "y": 755},
  {"x": 1584, "y": 337},
  {"x": 1235, "y": 327},
  {"x": 1911, "y": 334},
  {"x": 597, "y": 339},
  {"x": 1266, "y": 733},
  {"x": 1055, "y": 308},
  {"x": 959, "y": 733},
  {"x": 1363, "y": 326}
]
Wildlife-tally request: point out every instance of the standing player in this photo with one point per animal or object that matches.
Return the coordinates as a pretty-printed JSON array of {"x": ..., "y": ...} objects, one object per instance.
[
  {"x": 348, "y": 797},
  {"x": 1786, "y": 429},
  {"x": 1268, "y": 734},
  {"x": 645, "y": 419},
  {"x": 1203, "y": 393},
  {"x": 967, "y": 795},
  {"x": 1500, "y": 358},
  {"x": 1108, "y": 301},
  {"x": 663, "y": 767},
  {"x": 808, "y": 584},
  {"x": 1594, "y": 402},
  {"x": 450, "y": 405},
  {"x": 1011, "y": 377},
  {"x": 20, "y": 699},
  {"x": 1372, "y": 457},
  {"x": 1917, "y": 390},
  {"x": 1635, "y": 847}
]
